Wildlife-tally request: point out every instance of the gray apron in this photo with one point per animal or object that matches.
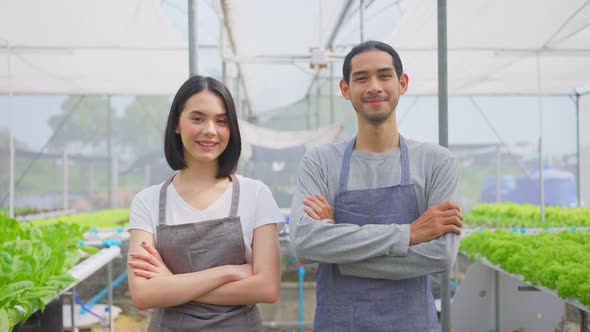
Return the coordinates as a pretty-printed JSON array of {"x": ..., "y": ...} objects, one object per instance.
[
  {"x": 346, "y": 303},
  {"x": 199, "y": 246}
]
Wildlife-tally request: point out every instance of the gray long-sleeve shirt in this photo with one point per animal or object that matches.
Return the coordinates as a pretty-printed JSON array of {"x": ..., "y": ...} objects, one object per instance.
[{"x": 374, "y": 251}]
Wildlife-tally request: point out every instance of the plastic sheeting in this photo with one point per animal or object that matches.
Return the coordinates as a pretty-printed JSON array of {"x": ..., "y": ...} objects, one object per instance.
[
  {"x": 105, "y": 47},
  {"x": 279, "y": 139}
]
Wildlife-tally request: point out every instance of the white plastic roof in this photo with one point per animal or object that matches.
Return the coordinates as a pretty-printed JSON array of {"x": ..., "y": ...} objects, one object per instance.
[
  {"x": 131, "y": 47},
  {"x": 89, "y": 47},
  {"x": 493, "y": 46}
]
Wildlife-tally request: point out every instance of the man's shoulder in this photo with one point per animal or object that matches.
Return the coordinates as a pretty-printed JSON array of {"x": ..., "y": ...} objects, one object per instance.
[
  {"x": 429, "y": 150},
  {"x": 328, "y": 150}
]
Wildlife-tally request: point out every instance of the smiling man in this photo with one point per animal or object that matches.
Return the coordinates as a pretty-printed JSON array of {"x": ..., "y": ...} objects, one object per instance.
[{"x": 379, "y": 214}]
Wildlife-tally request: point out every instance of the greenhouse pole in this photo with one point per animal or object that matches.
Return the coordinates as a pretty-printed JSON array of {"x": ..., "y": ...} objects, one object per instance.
[
  {"x": 318, "y": 105},
  {"x": 193, "y": 38},
  {"x": 109, "y": 155},
  {"x": 11, "y": 137},
  {"x": 541, "y": 178},
  {"x": 331, "y": 85},
  {"x": 114, "y": 182},
  {"x": 498, "y": 174},
  {"x": 578, "y": 192},
  {"x": 65, "y": 180},
  {"x": 443, "y": 139},
  {"x": 147, "y": 175},
  {"x": 308, "y": 114},
  {"x": 362, "y": 19}
]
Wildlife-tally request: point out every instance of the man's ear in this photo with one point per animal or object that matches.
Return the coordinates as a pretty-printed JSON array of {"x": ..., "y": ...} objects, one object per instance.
[
  {"x": 344, "y": 89},
  {"x": 404, "y": 80}
]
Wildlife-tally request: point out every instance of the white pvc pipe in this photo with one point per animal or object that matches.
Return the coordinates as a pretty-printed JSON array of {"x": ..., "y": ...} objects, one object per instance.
[{"x": 93, "y": 263}]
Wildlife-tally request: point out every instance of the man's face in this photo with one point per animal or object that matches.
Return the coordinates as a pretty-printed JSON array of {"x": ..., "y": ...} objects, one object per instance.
[{"x": 374, "y": 87}]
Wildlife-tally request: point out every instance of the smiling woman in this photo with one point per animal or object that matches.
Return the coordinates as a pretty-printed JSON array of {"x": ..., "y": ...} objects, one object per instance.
[{"x": 204, "y": 244}]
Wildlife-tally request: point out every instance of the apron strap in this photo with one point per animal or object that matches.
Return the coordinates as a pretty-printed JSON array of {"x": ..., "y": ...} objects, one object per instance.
[
  {"x": 162, "y": 204},
  {"x": 346, "y": 166},
  {"x": 345, "y": 169},
  {"x": 235, "y": 196},
  {"x": 405, "y": 161}
]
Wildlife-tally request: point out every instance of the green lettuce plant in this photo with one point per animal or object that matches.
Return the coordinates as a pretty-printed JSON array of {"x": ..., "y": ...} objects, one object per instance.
[
  {"x": 558, "y": 261},
  {"x": 34, "y": 261}
]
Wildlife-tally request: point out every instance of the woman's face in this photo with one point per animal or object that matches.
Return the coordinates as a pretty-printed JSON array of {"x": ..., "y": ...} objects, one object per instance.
[{"x": 203, "y": 127}]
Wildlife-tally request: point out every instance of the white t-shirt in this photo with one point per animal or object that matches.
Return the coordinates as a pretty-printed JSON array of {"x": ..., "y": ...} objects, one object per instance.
[{"x": 256, "y": 208}]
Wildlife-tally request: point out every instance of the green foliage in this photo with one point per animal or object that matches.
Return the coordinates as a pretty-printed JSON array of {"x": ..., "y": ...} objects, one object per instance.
[
  {"x": 83, "y": 121},
  {"x": 23, "y": 211},
  {"x": 104, "y": 218},
  {"x": 141, "y": 128},
  {"x": 34, "y": 261},
  {"x": 559, "y": 261},
  {"x": 526, "y": 215}
]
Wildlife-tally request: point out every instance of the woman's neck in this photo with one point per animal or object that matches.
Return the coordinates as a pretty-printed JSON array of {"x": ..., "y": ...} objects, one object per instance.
[{"x": 198, "y": 174}]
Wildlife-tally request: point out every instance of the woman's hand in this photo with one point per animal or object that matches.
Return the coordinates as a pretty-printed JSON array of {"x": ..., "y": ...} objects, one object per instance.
[
  {"x": 148, "y": 265},
  {"x": 318, "y": 208}
]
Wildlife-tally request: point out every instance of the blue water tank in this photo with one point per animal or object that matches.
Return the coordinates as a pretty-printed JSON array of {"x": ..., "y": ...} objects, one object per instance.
[{"x": 559, "y": 188}]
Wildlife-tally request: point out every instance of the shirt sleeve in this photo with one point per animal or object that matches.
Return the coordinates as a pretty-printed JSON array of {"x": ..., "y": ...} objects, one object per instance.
[
  {"x": 425, "y": 258},
  {"x": 267, "y": 210},
  {"x": 323, "y": 242},
  {"x": 139, "y": 215}
]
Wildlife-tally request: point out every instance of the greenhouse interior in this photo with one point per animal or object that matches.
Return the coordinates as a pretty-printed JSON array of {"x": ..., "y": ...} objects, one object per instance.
[{"x": 88, "y": 94}]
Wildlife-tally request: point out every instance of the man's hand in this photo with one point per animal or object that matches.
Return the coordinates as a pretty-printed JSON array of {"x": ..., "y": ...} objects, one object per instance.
[
  {"x": 437, "y": 220},
  {"x": 318, "y": 207}
]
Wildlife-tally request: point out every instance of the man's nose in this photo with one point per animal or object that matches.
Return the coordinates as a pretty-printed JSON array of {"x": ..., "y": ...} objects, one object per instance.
[{"x": 374, "y": 85}]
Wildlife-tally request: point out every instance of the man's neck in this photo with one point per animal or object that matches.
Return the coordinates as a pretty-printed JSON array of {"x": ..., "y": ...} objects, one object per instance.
[{"x": 377, "y": 138}]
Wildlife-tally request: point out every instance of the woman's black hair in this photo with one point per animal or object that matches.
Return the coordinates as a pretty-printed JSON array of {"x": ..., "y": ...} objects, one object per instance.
[{"x": 173, "y": 149}]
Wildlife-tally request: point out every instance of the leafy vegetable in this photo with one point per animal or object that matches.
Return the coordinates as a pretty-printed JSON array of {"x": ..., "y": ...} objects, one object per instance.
[
  {"x": 526, "y": 215},
  {"x": 559, "y": 261},
  {"x": 34, "y": 261}
]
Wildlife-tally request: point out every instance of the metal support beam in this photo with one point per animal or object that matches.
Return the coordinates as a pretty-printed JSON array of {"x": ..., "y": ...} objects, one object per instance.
[
  {"x": 541, "y": 177},
  {"x": 11, "y": 186},
  {"x": 109, "y": 152},
  {"x": 65, "y": 190},
  {"x": 362, "y": 19},
  {"x": 443, "y": 139},
  {"x": 193, "y": 34},
  {"x": 330, "y": 42},
  {"x": 225, "y": 6},
  {"x": 331, "y": 85},
  {"x": 578, "y": 189}
]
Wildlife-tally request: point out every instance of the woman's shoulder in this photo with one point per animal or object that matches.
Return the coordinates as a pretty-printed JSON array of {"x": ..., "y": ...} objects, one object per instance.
[
  {"x": 150, "y": 193},
  {"x": 250, "y": 184}
]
